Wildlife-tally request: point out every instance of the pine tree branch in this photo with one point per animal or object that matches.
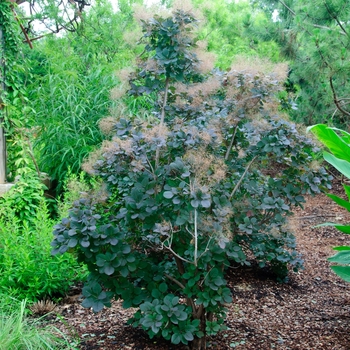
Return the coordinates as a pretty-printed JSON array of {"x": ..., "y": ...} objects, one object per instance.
[
  {"x": 335, "y": 18},
  {"x": 287, "y": 7},
  {"x": 335, "y": 99},
  {"x": 343, "y": 32}
]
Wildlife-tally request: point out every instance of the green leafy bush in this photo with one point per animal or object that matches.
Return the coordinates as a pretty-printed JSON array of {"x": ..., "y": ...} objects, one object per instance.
[
  {"x": 338, "y": 142},
  {"x": 27, "y": 268},
  {"x": 192, "y": 193},
  {"x": 23, "y": 200}
]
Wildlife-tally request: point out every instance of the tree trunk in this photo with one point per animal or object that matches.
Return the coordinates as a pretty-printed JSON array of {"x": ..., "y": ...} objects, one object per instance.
[{"x": 200, "y": 343}]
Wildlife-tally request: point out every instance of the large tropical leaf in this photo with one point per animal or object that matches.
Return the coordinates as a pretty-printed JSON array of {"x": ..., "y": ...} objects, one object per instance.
[
  {"x": 342, "y": 257},
  {"x": 341, "y": 165},
  {"x": 342, "y": 271},
  {"x": 332, "y": 140}
]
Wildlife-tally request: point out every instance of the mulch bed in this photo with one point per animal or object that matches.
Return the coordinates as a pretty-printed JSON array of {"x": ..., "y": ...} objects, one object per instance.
[{"x": 311, "y": 311}]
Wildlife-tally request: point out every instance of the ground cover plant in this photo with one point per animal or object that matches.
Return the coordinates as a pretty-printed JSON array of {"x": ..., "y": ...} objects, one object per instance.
[{"x": 205, "y": 184}]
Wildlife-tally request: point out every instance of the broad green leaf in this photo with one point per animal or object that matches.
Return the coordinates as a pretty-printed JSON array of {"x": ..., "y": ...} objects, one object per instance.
[
  {"x": 156, "y": 293},
  {"x": 163, "y": 287},
  {"x": 176, "y": 338},
  {"x": 345, "y": 134},
  {"x": 175, "y": 301},
  {"x": 188, "y": 336},
  {"x": 108, "y": 270},
  {"x": 341, "y": 165},
  {"x": 168, "y": 194},
  {"x": 343, "y": 257},
  {"x": 180, "y": 220},
  {"x": 332, "y": 140},
  {"x": 342, "y": 271}
]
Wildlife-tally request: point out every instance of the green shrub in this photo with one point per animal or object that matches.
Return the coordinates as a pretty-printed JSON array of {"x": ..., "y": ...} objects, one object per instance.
[
  {"x": 27, "y": 268},
  {"x": 214, "y": 178},
  {"x": 23, "y": 200}
]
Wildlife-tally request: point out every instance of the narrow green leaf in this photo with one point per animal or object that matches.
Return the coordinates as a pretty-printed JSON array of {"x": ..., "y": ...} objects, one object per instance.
[
  {"x": 342, "y": 202},
  {"x": 347, "y": 190},
  {"x": 341, "y": 248},
  {"x": 343, "y": 228}
]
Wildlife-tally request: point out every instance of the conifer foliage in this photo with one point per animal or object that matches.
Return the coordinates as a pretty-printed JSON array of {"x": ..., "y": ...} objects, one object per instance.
[
  {"x": 190, "y": 192},
  {"x": 315, "y": 37}
]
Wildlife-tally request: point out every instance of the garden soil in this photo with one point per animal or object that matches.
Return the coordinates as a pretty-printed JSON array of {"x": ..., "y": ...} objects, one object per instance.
[{"x": 310, "y": 311}]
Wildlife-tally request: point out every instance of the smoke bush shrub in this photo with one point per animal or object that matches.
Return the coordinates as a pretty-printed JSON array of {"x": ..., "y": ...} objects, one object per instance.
[{"x": 215, "y": 177}]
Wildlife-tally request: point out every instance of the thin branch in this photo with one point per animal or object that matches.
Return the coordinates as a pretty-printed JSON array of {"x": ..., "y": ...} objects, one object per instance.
[
  {"x": 165, "y": 100},
  {"x": 175, "y": 281},
  {"x": 173, "y": 252},
  {"x": 39, "y": 37},
  {"x": 315, "y": 216},
  {"x": 287, "y": 7},
  {"x": 335, "y": 18},
  {"x": 314, "y": 25},
  {"x": 335, "y": 99},
  {"x": 206, "y": 276},
  {"x": 162, "y": 115},
  {"x": 206, "y": 248},
  {"x": 195, "y": 237},
  {"x": 22, "y": 28},
  {"x": 231, "y": 143},
  {"x": 242, "y": 177},
  {"x": 189, "y": 300}
]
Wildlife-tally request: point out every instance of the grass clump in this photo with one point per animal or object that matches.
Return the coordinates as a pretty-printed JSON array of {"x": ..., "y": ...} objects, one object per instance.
[{"x": 18, "y": 331}]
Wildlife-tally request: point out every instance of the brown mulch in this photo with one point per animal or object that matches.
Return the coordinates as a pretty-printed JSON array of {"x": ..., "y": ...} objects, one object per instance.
[{"x": 311, "y": 311}]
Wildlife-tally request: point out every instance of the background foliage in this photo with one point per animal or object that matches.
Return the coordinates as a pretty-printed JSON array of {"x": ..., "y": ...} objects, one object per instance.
[{"x": 315, "y": 38}]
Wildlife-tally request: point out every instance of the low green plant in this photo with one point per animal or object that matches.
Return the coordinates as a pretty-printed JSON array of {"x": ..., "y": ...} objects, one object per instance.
[
  {"x": 338, "y": 143},
  {"x": 18, "y": 332},
  {"x": 75, "y": 185},
  {"x": 27, "y": 268},
  {"x": 23, "y": 199},
  {"x": 210, "y": 182}
]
